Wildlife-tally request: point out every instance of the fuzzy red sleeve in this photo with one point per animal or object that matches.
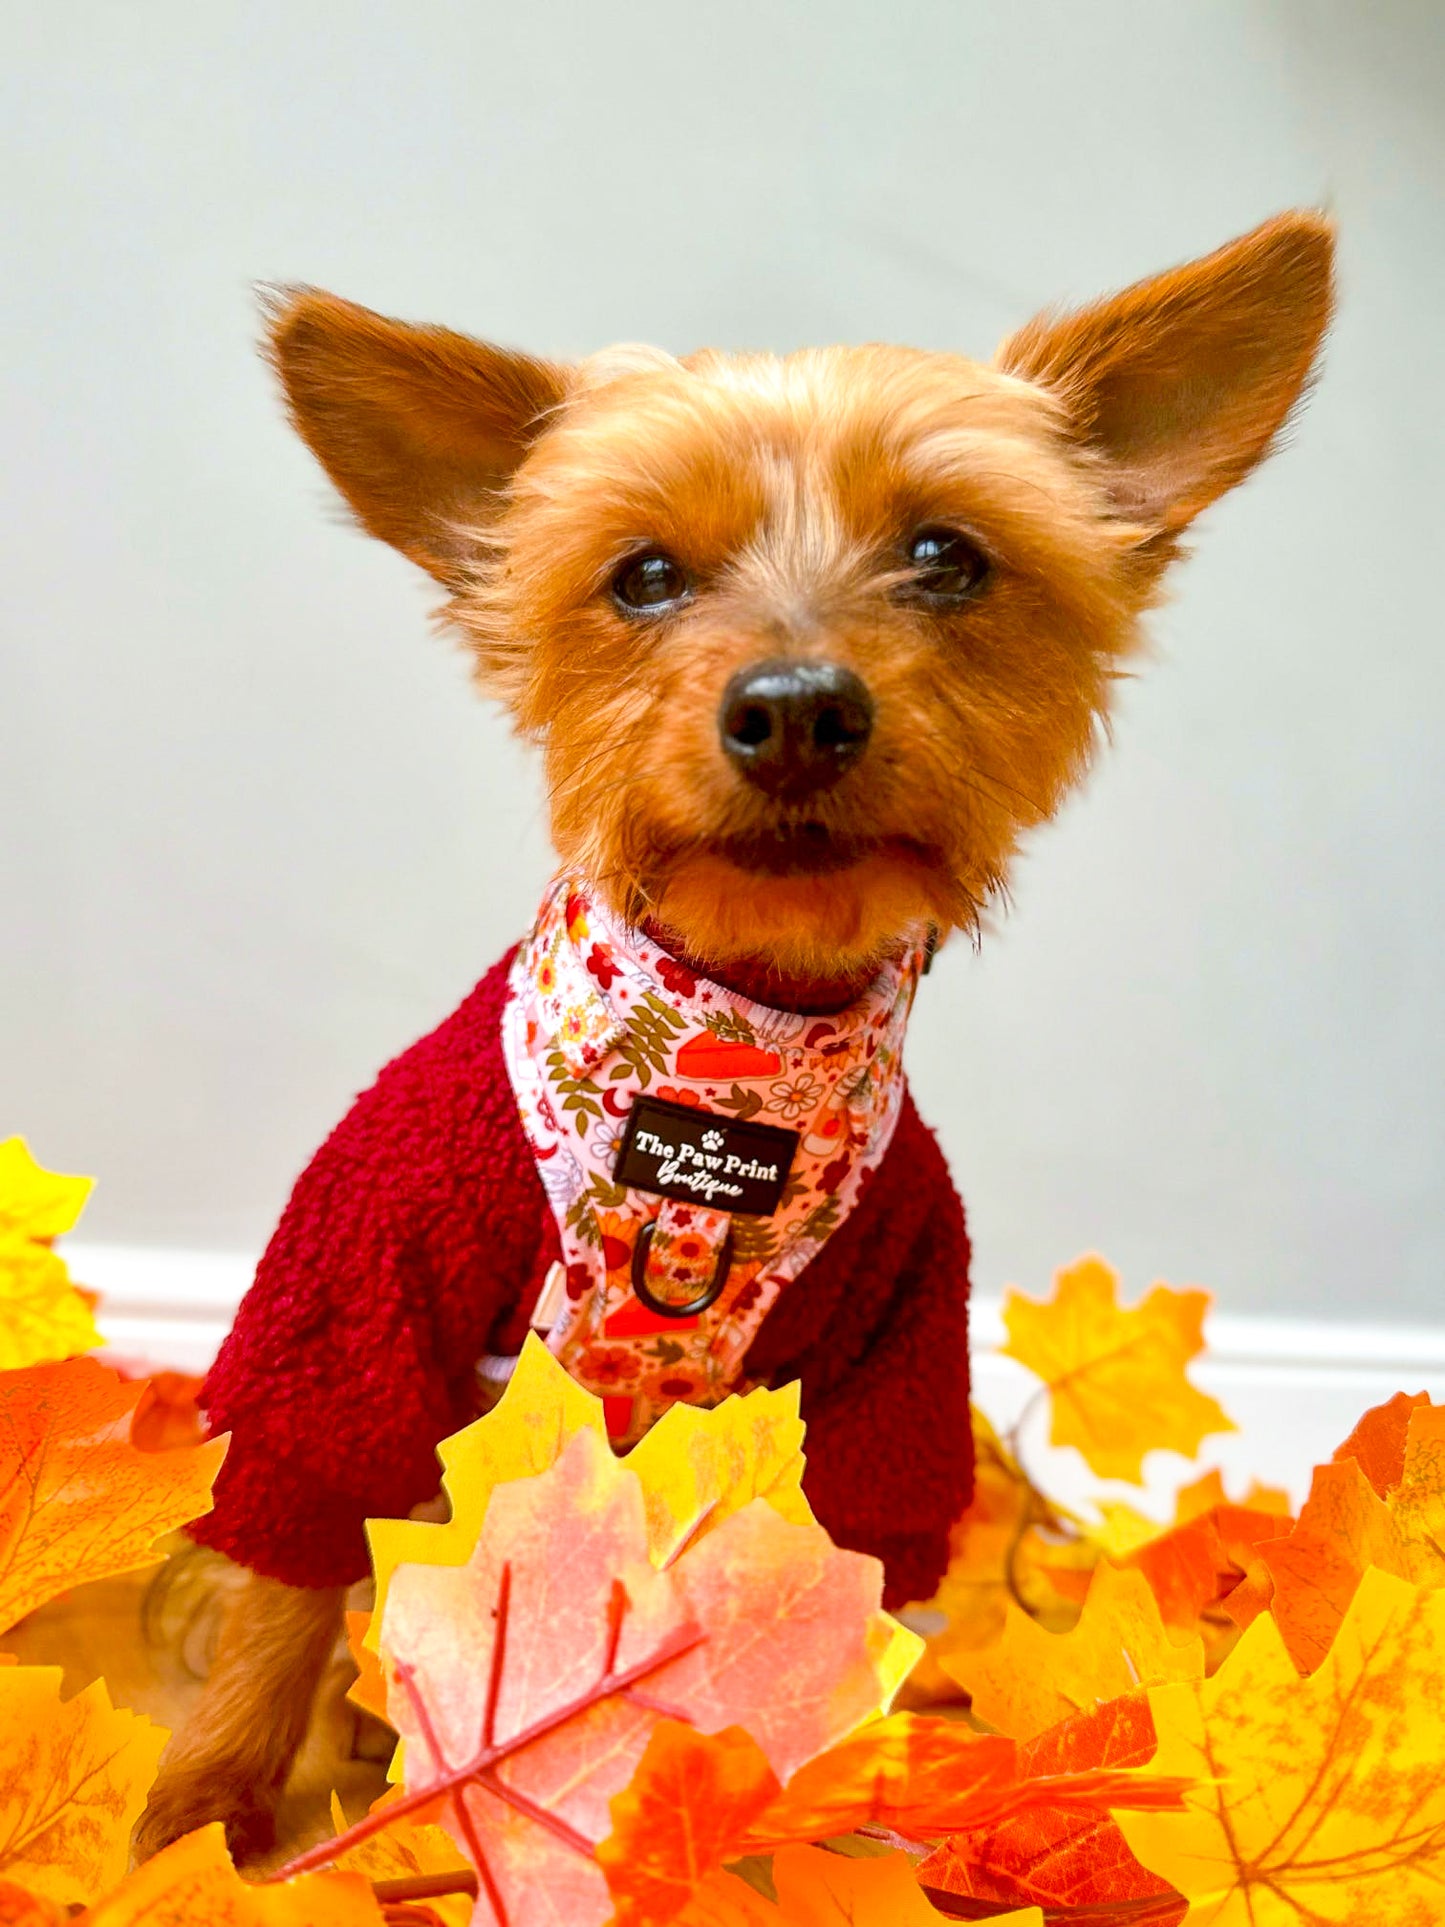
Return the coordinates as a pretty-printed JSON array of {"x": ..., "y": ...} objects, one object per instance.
[
  {"x": 417, "y": 1230},
  {"x": 890, "y": 1447}
]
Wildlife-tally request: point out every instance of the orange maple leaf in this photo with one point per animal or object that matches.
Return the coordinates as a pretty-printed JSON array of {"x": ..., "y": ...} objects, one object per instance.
[
  {"x": 1380, "y": 1502},
  {"x": 1032, "y": 1679},
  {"x": 697, "y": 1801},
  {"x": 1115, "y": 1375},
  {"x": 921, "y": 1777},
  {"x": 1378, "y": 1441},
  {"x": 74, "y": 1775},
  {"x": 1316, "y": 1799},
  {"x": 1062, "y": 1856},
  {"x": 193, "y": 1883},
  {"x": 77, "y": 1500},
  {"x": 685, "y": 1811}
]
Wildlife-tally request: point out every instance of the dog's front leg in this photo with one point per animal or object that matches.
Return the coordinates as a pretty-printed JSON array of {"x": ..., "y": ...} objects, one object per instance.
[{"x": 231, "y": 1759}]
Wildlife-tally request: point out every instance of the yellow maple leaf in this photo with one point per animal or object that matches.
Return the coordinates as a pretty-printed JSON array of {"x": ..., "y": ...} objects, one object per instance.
[
  {"x": 404, "y": 1850},
  {"x": 42, "y": 1316},
  {"x": 193, "y": 1883},
  {"x": 74, "y": 1776},
  {"x": 1318, "y": 1799},
  {"x": 701, "y": 1465},
  {"x": 1115, "y": 1374},
  {"x": 77, "y": 1500},
  {"x": 820, "y": 1889},
  {"x": 36, "y": 1203},
  {"x": 1032, "y": 1679}
]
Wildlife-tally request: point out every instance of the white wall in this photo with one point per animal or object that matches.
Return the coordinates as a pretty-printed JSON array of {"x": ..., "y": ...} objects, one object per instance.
[{"x": 254, "y": 833}]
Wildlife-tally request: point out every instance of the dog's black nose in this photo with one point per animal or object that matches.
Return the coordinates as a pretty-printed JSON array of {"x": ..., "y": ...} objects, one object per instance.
[{"x": 793, "y": 726}]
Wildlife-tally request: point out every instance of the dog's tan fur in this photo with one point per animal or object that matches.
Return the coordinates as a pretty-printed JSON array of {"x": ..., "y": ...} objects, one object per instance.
[{"x": 787, "y": 488}]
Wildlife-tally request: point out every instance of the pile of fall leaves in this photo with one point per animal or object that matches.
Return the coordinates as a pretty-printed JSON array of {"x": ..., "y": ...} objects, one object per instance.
[{"x": 649, "y": 1690}]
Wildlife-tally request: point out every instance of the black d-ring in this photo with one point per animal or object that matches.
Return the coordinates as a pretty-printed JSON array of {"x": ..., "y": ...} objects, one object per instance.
[{"x": 696, "y": 1305}]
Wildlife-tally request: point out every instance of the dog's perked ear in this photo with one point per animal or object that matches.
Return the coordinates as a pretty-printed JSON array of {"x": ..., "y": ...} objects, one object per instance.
[
  {"x": 1183, "y": 382},
  {"x": 420, "y": 428}
]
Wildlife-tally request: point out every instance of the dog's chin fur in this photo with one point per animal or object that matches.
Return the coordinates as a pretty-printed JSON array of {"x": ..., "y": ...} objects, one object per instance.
[{"x": 819, "y": 923}]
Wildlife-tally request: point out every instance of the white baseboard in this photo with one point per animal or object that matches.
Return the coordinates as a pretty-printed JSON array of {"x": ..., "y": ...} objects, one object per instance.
[{"x": 1294, "y": 1386}]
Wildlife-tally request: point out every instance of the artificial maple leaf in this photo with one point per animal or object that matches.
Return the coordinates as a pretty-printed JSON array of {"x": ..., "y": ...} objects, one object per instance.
[
  {"x": 1006, "y": 1545},
  {"x": 1380, "y": 1502},
  {"x": 36, "y": 1203},
  {"x": 697, "y": 1467},
  {"x": 77, "y": 1500},
  {"x": 1058, "y": 1855},
  {"x": 74, "y": 1775},
  {"x": 700, "y": 1466},
  {"x": 1417, "y": 1503},
  {"x": 1318, "y": 1799},
  {"x": 193, "y": 1883},
  {"x": 1032, "y": 1679},
  {"x": 911, "y": 1773},
  {"x": 1115, "y": 1375},
  {"x": 1205, "y": 1573},
  {"x": 42, "y": 1316},
  {"x": 697, "y": 1800},
  {"x": 526, "y": 1683},
  {"x": 1378, "y": 1441},
  {"x": 1316, "y": 1568},
  {"x": 685, "y": 1811},
  {"x": 920, "y": 1777},
  {"x": 407, "y": 1850}
]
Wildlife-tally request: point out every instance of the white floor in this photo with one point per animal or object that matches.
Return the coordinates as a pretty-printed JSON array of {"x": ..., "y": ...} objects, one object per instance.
[{"x": 1295, "y": 1388}]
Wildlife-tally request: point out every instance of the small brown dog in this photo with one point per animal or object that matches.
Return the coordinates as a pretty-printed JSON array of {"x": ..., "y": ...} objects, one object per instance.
[{"x": 808, "y": 643}]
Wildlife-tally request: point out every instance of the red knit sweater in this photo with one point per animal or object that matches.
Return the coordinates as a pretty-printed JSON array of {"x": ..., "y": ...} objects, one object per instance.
[{"x": 418, "y": 1238}]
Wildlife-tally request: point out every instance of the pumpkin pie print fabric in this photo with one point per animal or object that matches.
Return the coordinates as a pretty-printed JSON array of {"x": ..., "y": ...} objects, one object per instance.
[{"x": 598, "y": 1013}]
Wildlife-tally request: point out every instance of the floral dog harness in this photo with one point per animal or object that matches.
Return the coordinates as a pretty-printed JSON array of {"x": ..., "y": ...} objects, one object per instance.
[{"x": 696, "y": 1148}]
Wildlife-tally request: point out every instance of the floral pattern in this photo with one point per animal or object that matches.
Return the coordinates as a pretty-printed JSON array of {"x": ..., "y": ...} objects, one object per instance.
[{"x": 596, "y": 1013}]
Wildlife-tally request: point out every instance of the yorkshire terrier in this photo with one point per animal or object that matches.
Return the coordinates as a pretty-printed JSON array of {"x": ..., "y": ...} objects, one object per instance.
[{"x": 808, "y": 643}]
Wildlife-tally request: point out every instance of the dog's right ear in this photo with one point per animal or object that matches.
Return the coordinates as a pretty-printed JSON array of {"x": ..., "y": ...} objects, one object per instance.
[{"x": 419, "y": 428}]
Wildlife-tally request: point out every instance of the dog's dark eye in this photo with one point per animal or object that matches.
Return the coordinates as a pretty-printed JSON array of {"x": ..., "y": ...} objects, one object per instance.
[
  {"x": 947, "y": 566},
  {"x": 646, "y": 582}
]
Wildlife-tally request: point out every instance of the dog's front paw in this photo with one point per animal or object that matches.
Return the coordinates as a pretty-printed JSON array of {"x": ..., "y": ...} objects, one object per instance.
[{"x": 196, "y": 1797}]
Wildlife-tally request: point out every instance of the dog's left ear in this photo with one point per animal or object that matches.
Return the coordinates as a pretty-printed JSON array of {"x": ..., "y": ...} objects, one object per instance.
[
  {"x": 420, "y": 428},
  {"x": 1182, "y": 383}
]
